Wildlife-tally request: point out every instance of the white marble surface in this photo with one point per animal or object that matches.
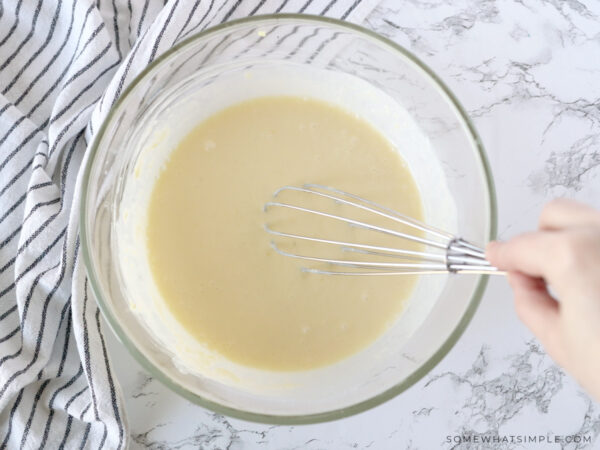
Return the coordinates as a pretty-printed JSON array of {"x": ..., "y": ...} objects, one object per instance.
[{"x": 528, "y": 72}]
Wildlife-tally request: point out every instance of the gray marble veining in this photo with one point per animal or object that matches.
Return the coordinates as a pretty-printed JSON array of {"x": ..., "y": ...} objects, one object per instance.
[{"x": 528, "y": 73}]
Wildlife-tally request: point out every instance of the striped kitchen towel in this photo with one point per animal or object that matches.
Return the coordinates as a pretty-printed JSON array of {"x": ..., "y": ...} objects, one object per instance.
[{"x": 63, "y": 63}]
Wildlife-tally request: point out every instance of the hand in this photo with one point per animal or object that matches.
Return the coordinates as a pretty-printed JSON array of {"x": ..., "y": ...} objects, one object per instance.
[{"x": 564, "y": 254}]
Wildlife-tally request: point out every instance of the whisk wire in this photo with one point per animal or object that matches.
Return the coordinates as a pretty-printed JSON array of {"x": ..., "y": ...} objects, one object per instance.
[
  {"x": 350, "y": 246},
  {"x": 373, "y": 207},
  {"x": 357, "y": 223},
  {"x": 406, "y": 220},
  {"x": 459, "y": 255}
]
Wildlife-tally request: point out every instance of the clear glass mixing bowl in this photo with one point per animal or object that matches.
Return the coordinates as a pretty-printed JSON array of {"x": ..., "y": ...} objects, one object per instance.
[{"x": 379, "y": 372}]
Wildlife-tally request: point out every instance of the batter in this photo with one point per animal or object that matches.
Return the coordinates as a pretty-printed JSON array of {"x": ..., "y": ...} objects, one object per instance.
[{"x": 212, "y": 260}]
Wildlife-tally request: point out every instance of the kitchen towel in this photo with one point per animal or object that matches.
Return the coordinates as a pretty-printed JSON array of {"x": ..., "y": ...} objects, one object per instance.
[{"x": 63, "y": 63}]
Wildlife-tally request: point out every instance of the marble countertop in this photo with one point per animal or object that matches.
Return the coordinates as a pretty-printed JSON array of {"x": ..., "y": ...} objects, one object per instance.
[{"x": 528, "y": 73}]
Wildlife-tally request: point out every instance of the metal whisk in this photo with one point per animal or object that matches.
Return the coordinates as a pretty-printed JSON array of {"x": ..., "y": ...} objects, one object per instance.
[{"x": 446, "y": 253}]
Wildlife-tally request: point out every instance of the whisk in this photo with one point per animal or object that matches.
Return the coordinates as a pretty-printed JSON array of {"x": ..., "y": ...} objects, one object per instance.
[{"x": 445, "y": 253}]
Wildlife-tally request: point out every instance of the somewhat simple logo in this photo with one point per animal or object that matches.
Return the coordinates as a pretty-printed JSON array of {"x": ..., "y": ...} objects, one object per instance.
[{"x": 518, "y": 439}]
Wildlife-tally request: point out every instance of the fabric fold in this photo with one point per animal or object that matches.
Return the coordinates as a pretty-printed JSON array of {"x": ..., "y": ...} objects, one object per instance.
[{"x": 63, "y": 65}]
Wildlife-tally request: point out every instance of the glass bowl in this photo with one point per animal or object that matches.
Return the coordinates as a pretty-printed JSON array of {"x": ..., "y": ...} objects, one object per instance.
[{"x": 390, "y": 85}]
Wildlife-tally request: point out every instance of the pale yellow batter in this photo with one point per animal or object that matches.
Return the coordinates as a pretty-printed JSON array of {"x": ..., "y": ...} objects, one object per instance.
[{"x": 212, "y": 259}]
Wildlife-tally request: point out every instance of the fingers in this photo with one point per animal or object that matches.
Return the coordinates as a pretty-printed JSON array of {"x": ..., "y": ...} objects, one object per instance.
[
  {"x": 538, "y": 311},
  {"x": 529, "y": 253},
  {"x": 563, "y": 213},
  {"x": 565, "y": 254}
]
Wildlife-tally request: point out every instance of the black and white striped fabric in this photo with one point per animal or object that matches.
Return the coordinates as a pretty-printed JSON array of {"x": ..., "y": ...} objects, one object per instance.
[{"x": 63, "y": 63}]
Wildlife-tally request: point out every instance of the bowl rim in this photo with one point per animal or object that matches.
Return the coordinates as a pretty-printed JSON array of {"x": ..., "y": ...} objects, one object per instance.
[{"x": 330, "y": 415}]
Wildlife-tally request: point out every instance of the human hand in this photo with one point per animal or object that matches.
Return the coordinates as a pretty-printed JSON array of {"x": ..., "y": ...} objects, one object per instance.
[{"x": 564, "y": 254}]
